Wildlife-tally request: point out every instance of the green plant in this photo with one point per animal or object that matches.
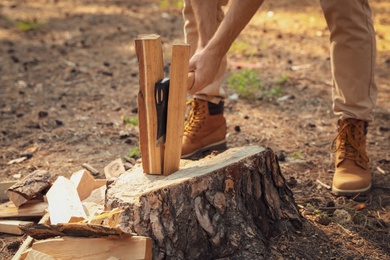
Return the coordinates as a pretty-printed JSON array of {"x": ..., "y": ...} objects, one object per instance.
[
  {"x": 246, "y": 83},
  {"x": 27, "y": 25},
  {"x": 273, "y": 92},
  {"x": 283, "y": 79},
  {"x": 297, "y": 155},
  {"x": 134, "y": 152},
  {"x": 131, "y": 120}
]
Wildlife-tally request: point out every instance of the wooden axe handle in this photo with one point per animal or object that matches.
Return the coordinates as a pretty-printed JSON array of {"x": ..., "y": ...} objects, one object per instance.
[{"x": 190, "y": 81}]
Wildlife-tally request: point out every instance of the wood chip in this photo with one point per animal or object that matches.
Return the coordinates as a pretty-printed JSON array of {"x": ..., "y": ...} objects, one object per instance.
[{"x": 114, "y": 169}]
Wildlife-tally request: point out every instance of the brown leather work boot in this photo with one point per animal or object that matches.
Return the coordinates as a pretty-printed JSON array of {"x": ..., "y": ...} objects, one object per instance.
[
  {"x": 352, "y": 175},
  {"x": 204, "y": 130}
]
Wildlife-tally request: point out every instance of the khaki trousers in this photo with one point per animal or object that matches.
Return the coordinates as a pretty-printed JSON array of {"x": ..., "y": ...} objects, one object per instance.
[
  {"x": 352, "y": 54},
  {"x": 352, "y": 51}
]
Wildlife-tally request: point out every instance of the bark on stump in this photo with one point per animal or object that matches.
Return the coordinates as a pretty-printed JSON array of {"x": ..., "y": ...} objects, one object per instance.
[{"x": 224, "y": 206}]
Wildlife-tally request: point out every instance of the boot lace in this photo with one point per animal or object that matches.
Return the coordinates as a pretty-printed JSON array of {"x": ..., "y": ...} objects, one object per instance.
[
  {"x": 348, "y": 143},
  {"x": 195, "y": 118}
]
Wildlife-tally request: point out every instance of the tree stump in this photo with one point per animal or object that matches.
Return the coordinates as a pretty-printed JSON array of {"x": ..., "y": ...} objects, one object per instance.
[{"x": 223, "y": 206}]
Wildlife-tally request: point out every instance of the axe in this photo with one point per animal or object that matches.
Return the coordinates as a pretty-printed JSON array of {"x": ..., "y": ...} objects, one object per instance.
[{"x": 161, "y": 93}]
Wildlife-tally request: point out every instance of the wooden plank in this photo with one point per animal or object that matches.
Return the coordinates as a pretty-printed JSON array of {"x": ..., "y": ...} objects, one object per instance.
[
  {"x": 12, "y": 226},
  {"x": 36, "y": 209},
  {"x": 176, "y": 106},
  {"x": 151, "y": 69},
  {"x": 3, "y": 187},
  {"x": 126, "y": 247},
  {"x": 64, "y": 202}
]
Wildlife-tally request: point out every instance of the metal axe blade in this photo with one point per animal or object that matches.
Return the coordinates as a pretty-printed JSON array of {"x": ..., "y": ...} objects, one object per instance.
[{"x": 161, "y": 92}]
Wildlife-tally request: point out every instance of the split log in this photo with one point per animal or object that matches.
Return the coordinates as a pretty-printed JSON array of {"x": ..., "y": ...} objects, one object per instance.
[
  {"x": 226, "y": 205},
  {"x": 126, "y": 248},
  {"x": 97, "y": 196},
  {"x": 151, "y": 69},
  {"x": 29, "y": 209},
  {"x": 12, "y": 226},
  {"x": 95, "y": 202},
  {"x": 176, "y": 106},
  {"x": 64, "y": 202},
  {"x": 3, "y": 187},
  {"x": 162, "y": 158},
  {"x": 99, "y": 183},
  {"x": 29, "y": 187},
  {"x": 85, "y": 183}
]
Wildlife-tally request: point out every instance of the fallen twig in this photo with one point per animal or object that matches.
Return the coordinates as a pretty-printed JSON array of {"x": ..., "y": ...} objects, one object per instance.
[
  {"x": 331, "y": 208},
  {"x": 379, "y": 169},
  {"x": 326, "y": 186},
  {"x": 90, "y": 169}
]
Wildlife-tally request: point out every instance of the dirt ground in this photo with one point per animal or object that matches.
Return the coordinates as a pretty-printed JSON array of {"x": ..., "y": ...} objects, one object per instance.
[{"x": 68, "y": 88}]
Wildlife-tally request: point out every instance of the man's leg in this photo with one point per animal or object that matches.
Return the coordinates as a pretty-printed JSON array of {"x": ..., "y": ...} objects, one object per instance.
[
  {"x": 205, "y": 127},
  {"x": 354, "y": 92}
]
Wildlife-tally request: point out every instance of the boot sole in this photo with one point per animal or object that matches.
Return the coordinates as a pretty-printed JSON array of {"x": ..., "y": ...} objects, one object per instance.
[
  {"x": 215, "y": 146},
  {"x": 340, "y": 192}
]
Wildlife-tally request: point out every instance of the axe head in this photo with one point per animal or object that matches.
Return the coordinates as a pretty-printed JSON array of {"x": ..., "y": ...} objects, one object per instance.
[{"x": 161, "y": 92}]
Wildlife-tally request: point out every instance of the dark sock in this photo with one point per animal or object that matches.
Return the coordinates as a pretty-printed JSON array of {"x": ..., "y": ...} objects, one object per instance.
[{"x": 216, "y": 109}]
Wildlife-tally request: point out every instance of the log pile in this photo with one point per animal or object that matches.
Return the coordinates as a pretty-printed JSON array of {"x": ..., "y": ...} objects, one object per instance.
[
  {"x": 74, "y": 223},
  {"x": 221, "y": 206}
]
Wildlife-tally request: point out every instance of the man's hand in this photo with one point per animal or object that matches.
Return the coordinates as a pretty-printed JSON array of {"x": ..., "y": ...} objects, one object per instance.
[{"x": 203, "y": 67}]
